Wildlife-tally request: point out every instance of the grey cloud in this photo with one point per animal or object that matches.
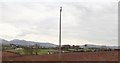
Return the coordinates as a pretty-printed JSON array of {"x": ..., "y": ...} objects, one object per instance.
[
  {"x": 93, "y": 23},
  {"x": 89, "y": 21}
]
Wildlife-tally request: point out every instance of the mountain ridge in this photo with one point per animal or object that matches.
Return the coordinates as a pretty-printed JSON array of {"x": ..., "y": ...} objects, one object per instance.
[
  {"x": 48, "y": 45},
  {"x": 26, "y": 43}
]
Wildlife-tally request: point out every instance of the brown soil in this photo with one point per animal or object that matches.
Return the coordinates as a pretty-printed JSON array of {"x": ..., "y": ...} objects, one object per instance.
[{"x": 78, "y": 56}]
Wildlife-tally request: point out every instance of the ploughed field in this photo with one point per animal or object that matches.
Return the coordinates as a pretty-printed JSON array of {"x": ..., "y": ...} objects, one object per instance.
[{"x": 76, "y": 56}]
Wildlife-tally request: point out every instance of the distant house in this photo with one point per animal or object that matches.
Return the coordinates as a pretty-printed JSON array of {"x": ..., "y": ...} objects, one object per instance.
[
  {"x": 52, "y": 51},
  {"x": 75, "y": 46},
  {"x": 116, "y": 49},
  {"x": 66, "y": 46},
  {"x": 18, "y": 48},
  {"x": 12, "y": 45}
]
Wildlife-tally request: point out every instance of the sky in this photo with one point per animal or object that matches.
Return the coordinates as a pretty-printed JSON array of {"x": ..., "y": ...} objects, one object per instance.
[{"x": 83, "y": 22}]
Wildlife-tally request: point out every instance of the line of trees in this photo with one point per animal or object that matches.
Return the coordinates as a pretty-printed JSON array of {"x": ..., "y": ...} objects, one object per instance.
[
  {"x": 17, "y": 49},
  {"x": 32, "y": 49}
]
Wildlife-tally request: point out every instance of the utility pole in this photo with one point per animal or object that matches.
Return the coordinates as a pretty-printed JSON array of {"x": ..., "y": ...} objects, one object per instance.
[{"x": 60, "y": 35}]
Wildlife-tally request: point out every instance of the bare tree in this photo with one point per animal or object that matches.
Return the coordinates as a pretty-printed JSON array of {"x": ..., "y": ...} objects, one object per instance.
[
  {"x": 36, "y": 49},
  {"x": 28, "y": 50}
]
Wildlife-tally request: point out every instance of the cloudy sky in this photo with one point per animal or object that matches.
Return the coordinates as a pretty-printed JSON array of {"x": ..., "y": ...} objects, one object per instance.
[{"x": 83, "y": 22}]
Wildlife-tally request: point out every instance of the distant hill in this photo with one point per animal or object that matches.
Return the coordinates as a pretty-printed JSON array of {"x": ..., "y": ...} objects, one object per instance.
[
  {"x": 48, "y": 45},
  {"x": 26, "y": 43},
  {"x": 4, "y": 42},
  {"x": 98, "y": 46}
]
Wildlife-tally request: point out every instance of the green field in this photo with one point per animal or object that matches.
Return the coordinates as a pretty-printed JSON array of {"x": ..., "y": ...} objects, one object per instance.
[{"x": 23, "y": 52}]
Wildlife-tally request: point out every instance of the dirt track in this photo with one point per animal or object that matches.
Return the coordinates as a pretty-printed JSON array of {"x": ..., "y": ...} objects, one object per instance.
[{"x": 81, "y": 56}]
